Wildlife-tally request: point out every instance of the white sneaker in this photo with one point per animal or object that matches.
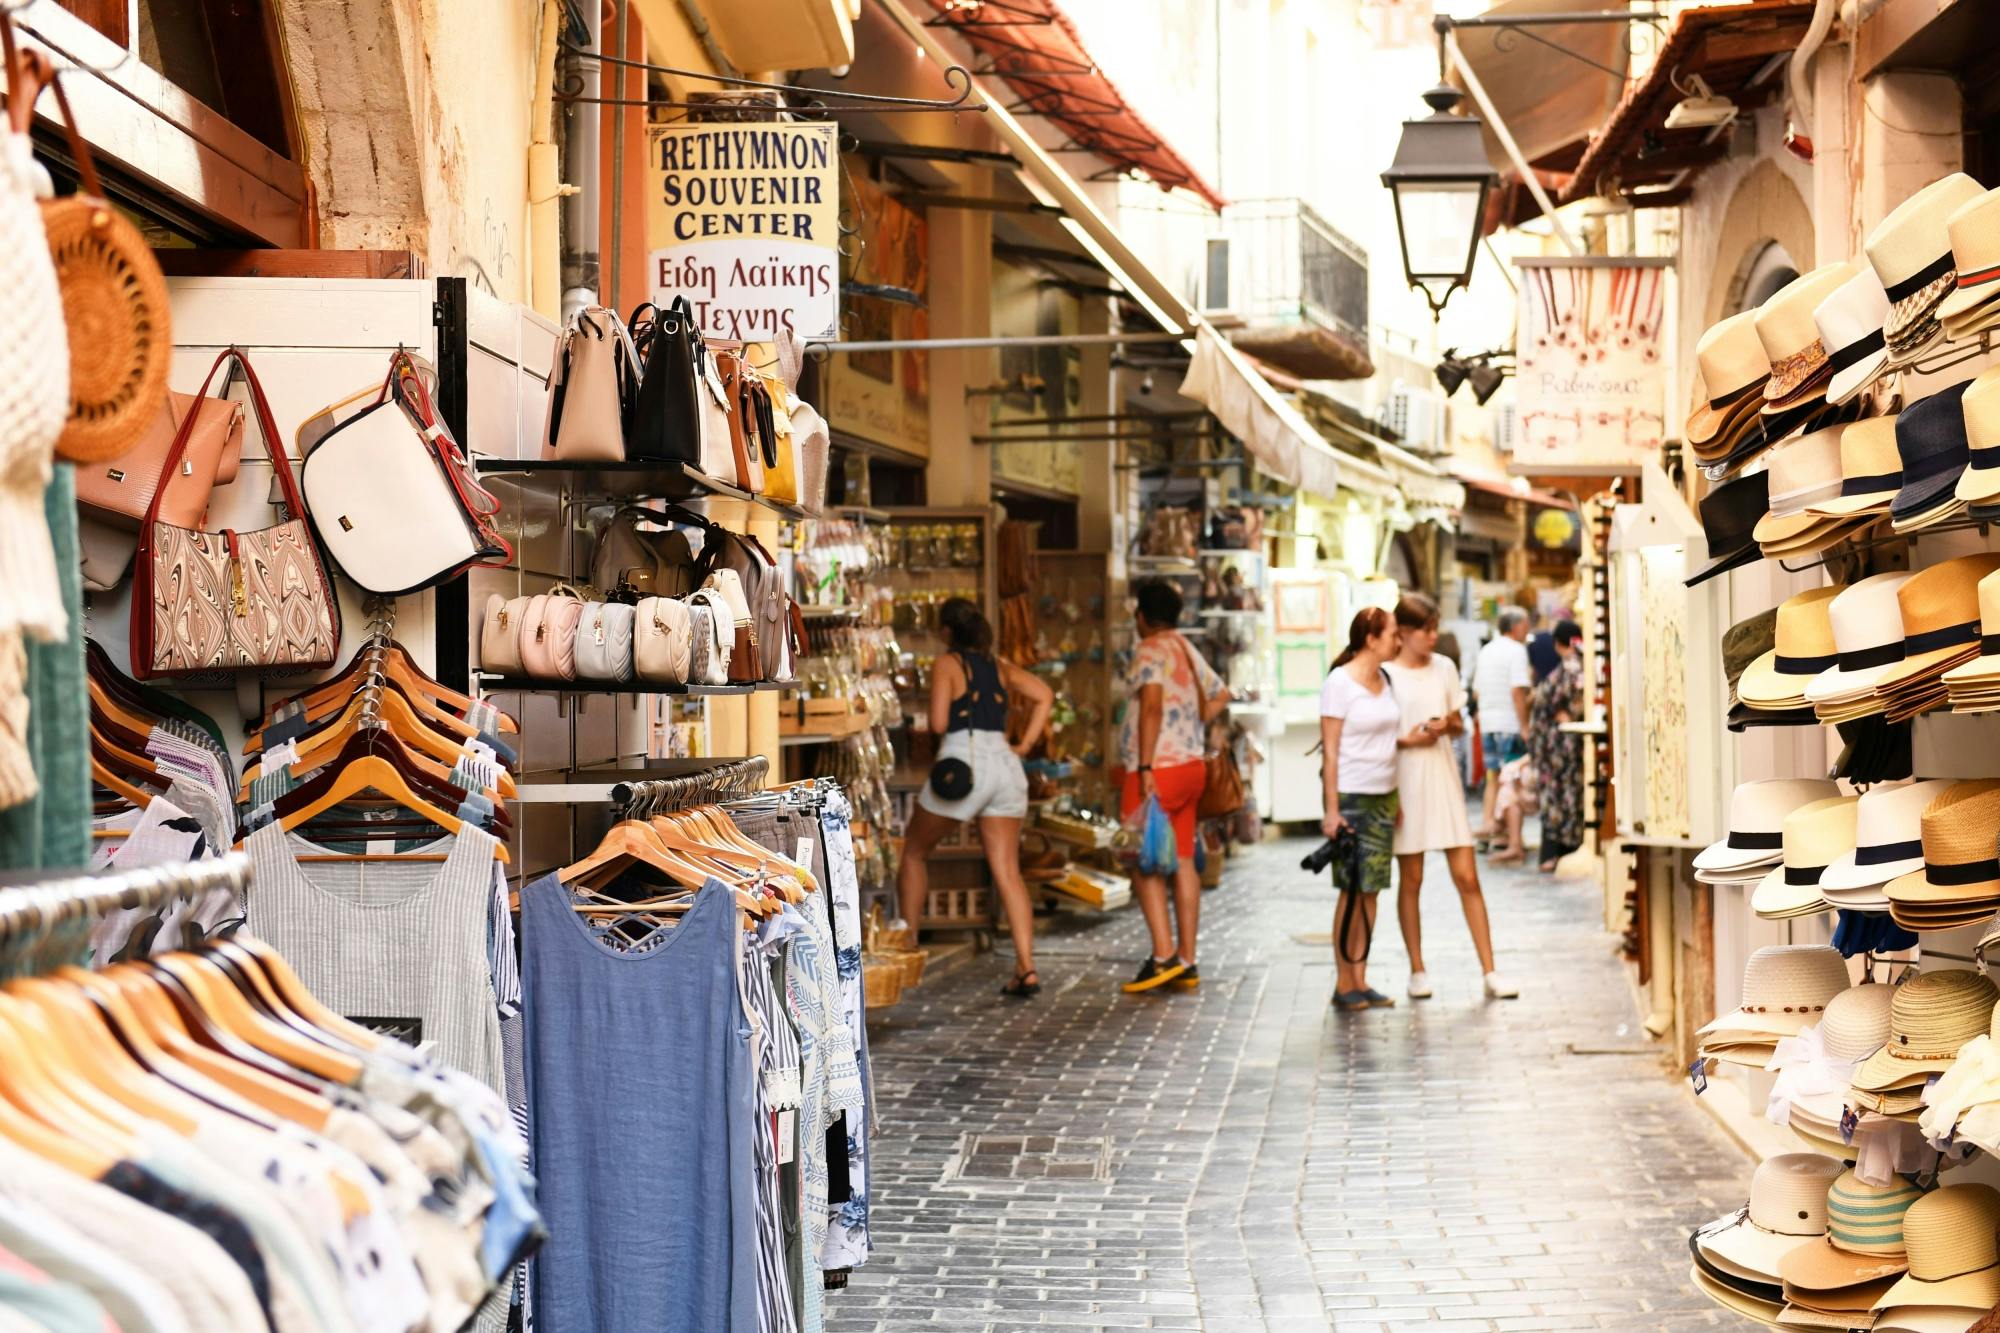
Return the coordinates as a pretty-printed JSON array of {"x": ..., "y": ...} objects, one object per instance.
[
  {"x": 1499, "y": 988},
  {"x": 1420, "y": 985}
]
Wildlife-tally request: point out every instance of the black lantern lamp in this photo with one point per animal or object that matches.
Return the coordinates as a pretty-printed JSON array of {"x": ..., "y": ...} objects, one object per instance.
[{"x": 1440, "y": 180}]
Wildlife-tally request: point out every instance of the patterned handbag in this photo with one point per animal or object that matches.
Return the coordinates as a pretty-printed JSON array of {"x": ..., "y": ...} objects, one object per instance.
[{"x": 232, "y": 601}]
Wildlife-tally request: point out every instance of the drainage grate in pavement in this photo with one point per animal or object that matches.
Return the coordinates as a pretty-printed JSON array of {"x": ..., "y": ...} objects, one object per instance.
[{"x": 990, "y": 1158}]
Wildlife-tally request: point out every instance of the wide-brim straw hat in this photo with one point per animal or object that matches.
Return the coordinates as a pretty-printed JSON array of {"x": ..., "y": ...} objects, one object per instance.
[
  {"x": 1804, "y": 648},
  {"x": 1804, "y": 470},
  {"x": 1732, "y": 368},
  {"x": 1867, "y": 623},
  {"x": 1757, "y": 813},
  {"x": 1785, "y": 988},
  {"x": 1736, "y": 1301},
  {"x": 1850, "y": 323},
  {"x": 1940, "y": 616},
  {"x": 1979, "y": 404},
  {"x": 1985, "y": 668},
  {"x": 1836, "y": 1309},
  {"x": 1787, "y": 1209},
  {"x": 1864, "y": 1236},
  {"x": 1910, "y": 250},
  {"x": 1974, "y": 228},
  {"x": 1888, "y": 837},
  {"x": 1857, "y": 1023},
  {"x": 1931, "y": 1016},
  {"x": 1954, "y": 1256},
  {"x": 1814, "y": 836},
  {"x": 1785, "y": 327},
  {"x": 1871, "y": 470}
]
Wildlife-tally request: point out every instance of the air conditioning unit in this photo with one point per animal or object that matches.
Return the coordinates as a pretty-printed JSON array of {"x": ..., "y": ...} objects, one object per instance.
[
  {"x": 1216, "y": 292},
  {"x": 1506, "y": 427},
  {"x": 1416, "y": 416}
]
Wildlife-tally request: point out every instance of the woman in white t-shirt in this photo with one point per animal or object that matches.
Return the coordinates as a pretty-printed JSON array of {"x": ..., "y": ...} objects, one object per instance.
[
  {"x": 1431, "y": 794},
  {"x": 1361, "y": 727}
]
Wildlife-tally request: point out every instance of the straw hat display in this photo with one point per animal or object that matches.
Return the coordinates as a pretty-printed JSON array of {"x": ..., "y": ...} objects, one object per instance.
[
  {"x": 1850, "y": 328},
  {"x": 1959, "y": 884},
  {"x": 1859, "y": 1259},
  {"x": 1786, "y": 1211},
  {"x": 1815, "y": 1069},
  {"x": 1940, "y": 618},
  {"x": 1731, "y": 368},
  {"x": 1804, "y": 648},
  {"x": 1963, "y": 1106},
  {"x": 1973, "y": 306},
  {"x": 1974, "y": 686},
  {"x": 1930, "y": 1017},
  {"x": 1785, "y": 988},
  {"x": 1867, "y": 624},
  {"x": 1888, "y": 842},
  {"x": 1871, "y": 470},
  {"x": 1799, "y": 368},
  {"x": 1950, "y": 1236},
  {"x": 1910, "y": 251},
  {"x": 1815, "y": 836},
  {"x": 1804, "y": 471}
]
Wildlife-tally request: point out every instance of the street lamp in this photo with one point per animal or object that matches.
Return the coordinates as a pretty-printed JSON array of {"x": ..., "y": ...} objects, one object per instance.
[{"x": 1440, "y": 180}]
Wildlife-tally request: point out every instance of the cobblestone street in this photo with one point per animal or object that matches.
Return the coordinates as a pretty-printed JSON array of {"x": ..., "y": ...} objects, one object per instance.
[{"x": 1245, "y": 1158}]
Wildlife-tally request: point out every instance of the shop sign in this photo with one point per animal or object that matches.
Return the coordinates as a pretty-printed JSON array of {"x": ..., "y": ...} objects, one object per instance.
[
  {"x": 1557, "y": 530},
  {"x": 1590, "y": 374},
  {"x": 741, "y": 220}
]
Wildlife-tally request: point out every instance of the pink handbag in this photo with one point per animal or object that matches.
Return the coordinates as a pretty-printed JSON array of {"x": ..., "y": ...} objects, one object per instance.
[{"x": 548, "y": 634}]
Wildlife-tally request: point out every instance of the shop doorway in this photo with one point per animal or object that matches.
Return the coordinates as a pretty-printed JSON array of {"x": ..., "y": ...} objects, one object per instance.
[{"x": 1768, "y": 269}]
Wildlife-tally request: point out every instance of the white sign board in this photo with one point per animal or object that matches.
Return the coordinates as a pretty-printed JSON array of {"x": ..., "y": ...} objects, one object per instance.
[{"x": 1590, "y": 377}]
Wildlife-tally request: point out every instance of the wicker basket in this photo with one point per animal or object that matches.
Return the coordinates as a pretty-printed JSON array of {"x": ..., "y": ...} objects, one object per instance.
[
  {"x": 880, "y": 935},
  {"x": 881, "y": 981}
]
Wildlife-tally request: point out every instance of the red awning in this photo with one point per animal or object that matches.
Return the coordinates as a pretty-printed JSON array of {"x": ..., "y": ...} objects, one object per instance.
[
  {"x": 1033, "y": 46},
  {"x": 1534, "y": 496}
]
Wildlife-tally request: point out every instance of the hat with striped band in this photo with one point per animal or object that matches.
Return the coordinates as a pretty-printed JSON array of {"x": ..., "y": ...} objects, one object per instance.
[
  {"x": 1980, "y": 404},
  {"x": 1911, "y": 252},
  {"x": 1864, "y": 1236},
  {"x": 1787, "y": 1209},
  {"x": 1814, "y": 836},
  {"x": 1804, "y": 648},
  {"x": 1930, "y": 1017},
  {"x": 1757, "y": 813},
  {"x": 1888, "y": 841},
  {"x": 1952, "y": 1236},
  {"x": 1785, "y": 987},
  {"x": 1799, "y": 370},
  {"x": 1850, "y": 328},
  {"x": 1867, "y": 623},
  {"x": 1974, "y": 228}
]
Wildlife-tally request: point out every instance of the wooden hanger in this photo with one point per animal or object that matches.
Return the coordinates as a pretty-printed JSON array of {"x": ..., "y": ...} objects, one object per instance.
[
  {"x": 391, "y": 710},
  {"x": 77, "y": 1153},
  {"x": 286, "y": 984},
  {"x": 365, "y": 766},
  {"x": 97, "y": 1057},
  {"x": 37, "y": 1082},
  {"x": 219, "y": 996}
]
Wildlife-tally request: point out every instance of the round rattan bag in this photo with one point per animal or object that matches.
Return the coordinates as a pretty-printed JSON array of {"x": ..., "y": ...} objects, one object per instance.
[{"x": 114, "y": 302}]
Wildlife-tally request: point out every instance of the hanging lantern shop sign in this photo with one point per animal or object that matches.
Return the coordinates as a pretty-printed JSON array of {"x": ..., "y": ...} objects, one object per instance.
[
  {"x": 1590, "y": 378},
  {"x": 742, "y": 221}
]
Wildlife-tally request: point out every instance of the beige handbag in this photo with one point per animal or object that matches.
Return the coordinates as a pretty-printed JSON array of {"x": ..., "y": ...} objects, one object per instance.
[
  {"x": 596, "y": 373},
  {"x": 118, "y": 489},
  {"x": 711, "y": 638},
  {"x": 106, "y": 553},
  {"x": 548, "y": 634},
  {"x": 814, "y": 444},
  {"x": 500, "y": 635},
  {"x": 662, "y": 640},
  {"x": 716, "y": 449}
]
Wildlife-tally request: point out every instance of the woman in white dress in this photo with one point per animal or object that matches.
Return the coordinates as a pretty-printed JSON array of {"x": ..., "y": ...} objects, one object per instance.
[{"x": 1434, "y": 819}]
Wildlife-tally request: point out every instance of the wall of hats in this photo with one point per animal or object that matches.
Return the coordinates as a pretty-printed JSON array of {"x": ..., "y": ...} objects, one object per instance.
[{"x": 1848, "y": 575}]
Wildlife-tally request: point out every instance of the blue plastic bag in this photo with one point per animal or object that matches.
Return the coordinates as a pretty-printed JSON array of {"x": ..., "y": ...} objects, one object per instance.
[{"x": 1157, "y": 852}]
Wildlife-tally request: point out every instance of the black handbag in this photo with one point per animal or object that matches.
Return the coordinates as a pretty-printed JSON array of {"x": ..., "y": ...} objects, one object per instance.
[{"x": 665, "y": 424}]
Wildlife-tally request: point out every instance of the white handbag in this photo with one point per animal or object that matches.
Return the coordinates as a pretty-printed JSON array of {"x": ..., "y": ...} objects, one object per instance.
[
  {"x": 604, "y": 642},
  {"x": 596, "y": 372},
  {"x": 717, "y": 453},
  {"x": 727, "y": 584},
  {"x": 713, "y": 634},
  {"x": 500, "y": 635},
  {"x": 662, "y": 640}
]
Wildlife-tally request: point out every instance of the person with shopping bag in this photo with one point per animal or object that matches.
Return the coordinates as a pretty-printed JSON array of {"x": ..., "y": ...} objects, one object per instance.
[{"x": 1162, "y": 738}]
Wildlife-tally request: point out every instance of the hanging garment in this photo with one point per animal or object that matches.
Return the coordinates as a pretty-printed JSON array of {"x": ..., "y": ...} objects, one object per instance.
[
  {"x": 847, "y": 1242},
  {"x": 640, "y": 1097},
  {"x": 52, "y": 830},
  {"x": 776, "y": 1137},
  {"x": 399, "y": 947}
]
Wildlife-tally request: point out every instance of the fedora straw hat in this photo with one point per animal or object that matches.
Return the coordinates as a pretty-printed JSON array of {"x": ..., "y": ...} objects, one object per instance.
[
  {"x": 1871, "y": 470},
  {"x": 1729, "y": 515},
  {"x": 1757, "y": 813},
  {"x": 1979, "y": 404},
  {"x": 1951, "y": 1237},
  {"x": 1732, "y": 368},
  {"x": 1787, "y": 1209},
  {"x": 1803, "y": 470},
  {"x": 1804, "y": 648},
  {"x": 1867, "y": 623},
  {"x": 1888, "y": 842},
  {"x": 1940, "y": 616},
  {"x": 1850, "y": 323},
  {"x": 1836, "y": 1310},
  {"x": 1931, "y": 1016},
  {"x": 1785, "y": 988},
  {"x": 1814, "y": 836},
  {"x": 1910, "y": 251},
  {"x": 1970, "y": 683},
  {"x": 1864, "y": 1235},
  {"x": 1785, "y": 327},
  {"x": 1974, "y": 228},
  {"x": 1930, "y": 436}
]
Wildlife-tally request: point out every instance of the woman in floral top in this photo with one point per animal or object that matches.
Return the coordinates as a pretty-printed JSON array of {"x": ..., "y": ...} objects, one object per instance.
[{"x": 1162, "y": 748}]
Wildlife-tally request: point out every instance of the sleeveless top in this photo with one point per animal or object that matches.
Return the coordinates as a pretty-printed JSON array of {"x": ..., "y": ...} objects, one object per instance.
[
  {"x": 397, "y": 946},
  {"x": 983, "y": 706}
]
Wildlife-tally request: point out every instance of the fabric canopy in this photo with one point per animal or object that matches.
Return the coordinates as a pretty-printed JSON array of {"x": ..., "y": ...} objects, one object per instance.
[{"x": 1280, "y": 439}]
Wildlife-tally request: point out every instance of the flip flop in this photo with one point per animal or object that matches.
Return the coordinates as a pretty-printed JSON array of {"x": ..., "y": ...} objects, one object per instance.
[{"x": 1351, "y": 1001}]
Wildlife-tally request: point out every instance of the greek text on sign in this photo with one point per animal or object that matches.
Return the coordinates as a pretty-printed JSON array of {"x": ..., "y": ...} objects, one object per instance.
[{"x": 742, "y": 222}]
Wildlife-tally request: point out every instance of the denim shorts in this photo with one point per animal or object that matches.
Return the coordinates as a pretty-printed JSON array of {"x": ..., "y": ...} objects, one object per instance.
[{"x": 1501, "y": 747}]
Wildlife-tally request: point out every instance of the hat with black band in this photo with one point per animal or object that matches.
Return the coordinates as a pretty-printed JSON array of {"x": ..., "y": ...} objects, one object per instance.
[
  {"x": 1850, "y": 328},
  {"x": 1911, "y": 253},
  {"x": 1804, "y": 648},
  {"x": 1871, "y": 470},
  {"x": 1867, "y": 624},
  {"x": 1930, "y": 436},
  {"x": 1757, "y": 813},
  {"x": 1979, "y": 409}
]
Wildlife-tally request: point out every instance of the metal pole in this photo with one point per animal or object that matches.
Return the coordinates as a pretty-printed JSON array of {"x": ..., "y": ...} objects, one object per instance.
[
  {"x": 1023, "y": 340},
  {"x": 611, "y": 292},
  {"x": 580, "y": 242},
  {"x": 1506, "y": 138}
]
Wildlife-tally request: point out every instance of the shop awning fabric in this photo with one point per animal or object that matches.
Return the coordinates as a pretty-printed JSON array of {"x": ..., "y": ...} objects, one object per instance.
[
  {"x": 1275, "y": 433},
  {"x": 1033, "y": 46}
]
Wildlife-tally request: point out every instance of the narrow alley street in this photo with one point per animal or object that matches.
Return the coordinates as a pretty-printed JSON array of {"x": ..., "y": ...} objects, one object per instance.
[{"x": 1244, "y": 1158}]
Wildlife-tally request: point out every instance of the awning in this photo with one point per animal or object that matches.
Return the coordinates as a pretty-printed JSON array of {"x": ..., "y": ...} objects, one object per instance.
[
  {"x": 1735, "y": 49},
  {"x": 1275, "y": 433},
  {"x": 1034, "y": 47},
  {"x": 1424, "y": 483},
  {"x": 1507, "y": 490}
]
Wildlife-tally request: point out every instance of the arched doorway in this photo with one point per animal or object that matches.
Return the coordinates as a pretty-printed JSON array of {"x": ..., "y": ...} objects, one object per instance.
[{"x": 1767, "y": 269}]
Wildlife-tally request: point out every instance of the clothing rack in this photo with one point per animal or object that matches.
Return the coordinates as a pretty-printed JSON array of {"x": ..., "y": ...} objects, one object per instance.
[
  {"x": 37, "y": 908},
  {"x": 381, "y": 628},
  {"x": 738, "y": 777}
]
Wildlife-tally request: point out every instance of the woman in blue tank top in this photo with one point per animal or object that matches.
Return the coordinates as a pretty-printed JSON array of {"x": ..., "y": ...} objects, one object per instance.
[{"x": 970, "y": 689}]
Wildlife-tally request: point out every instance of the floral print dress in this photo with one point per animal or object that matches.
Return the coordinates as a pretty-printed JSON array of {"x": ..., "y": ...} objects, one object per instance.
[{"x": 1557, "y": 756}]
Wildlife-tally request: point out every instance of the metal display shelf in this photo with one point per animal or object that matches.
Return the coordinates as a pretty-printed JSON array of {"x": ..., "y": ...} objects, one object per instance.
[
  {"x": 623, "y": 481},
  {"x": 493, "y": 684}
]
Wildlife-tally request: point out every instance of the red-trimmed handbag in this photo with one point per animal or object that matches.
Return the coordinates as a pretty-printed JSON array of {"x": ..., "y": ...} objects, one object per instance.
[{"x": 232, "y": 601}]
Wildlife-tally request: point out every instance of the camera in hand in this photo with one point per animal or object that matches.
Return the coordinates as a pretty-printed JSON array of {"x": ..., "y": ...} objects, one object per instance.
[{"x": 1320, "y": 857}]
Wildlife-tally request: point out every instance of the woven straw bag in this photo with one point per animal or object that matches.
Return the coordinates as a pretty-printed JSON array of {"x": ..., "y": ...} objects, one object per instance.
[{"x": 114, "y": 297}]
